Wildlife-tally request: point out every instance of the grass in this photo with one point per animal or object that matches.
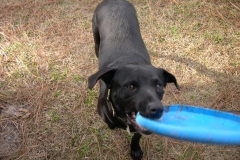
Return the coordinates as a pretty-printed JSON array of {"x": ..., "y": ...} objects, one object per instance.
[{"x": 47, "y": 54}]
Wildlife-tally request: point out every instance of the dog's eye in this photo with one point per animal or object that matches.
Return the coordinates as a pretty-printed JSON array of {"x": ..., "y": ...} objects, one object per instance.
[
  {"x": 130, "y": 87},
  {"x": 159, "y": 86}
]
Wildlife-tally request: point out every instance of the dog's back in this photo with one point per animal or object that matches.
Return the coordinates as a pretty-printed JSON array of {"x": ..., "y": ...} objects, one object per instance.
[{"x": 117, "y": 35}]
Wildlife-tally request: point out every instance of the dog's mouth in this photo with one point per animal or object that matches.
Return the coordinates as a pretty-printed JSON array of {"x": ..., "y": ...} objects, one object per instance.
[{"x": 131, "y": 118}]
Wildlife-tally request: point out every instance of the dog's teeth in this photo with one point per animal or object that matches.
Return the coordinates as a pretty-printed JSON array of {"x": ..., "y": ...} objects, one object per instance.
[{"x": 134, "y": 116}]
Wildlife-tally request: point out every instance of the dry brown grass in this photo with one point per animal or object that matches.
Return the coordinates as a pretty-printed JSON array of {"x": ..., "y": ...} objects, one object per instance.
[{"x": 47, "y": 53}]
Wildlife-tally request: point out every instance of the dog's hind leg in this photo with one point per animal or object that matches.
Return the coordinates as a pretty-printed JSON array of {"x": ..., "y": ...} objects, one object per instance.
[
  {"x": 96, "y": 35},
  {"x": 136, "y": 152}
]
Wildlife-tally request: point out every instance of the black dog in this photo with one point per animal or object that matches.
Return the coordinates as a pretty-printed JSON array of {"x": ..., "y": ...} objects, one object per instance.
[{"x": 128, "y": 82}]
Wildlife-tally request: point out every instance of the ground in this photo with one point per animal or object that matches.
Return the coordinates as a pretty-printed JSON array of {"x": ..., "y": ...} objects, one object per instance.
[{"x": 47, "y": 54}]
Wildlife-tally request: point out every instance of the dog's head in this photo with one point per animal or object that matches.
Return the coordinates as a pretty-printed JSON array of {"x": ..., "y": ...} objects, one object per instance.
[{"x": 135, "y": 88}]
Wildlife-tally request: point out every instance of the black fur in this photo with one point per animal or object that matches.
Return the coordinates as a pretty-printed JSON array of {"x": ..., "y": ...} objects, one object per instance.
[{"x": 125, "y": 70}]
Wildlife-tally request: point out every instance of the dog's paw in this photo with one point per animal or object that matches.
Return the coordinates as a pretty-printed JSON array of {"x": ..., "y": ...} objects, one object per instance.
[{"x": 136, "y": 154}]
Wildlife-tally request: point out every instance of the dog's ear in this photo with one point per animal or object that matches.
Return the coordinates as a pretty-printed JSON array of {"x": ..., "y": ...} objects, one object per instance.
[
  {"x": 169, "y": 78},
  {"x": 106, "y": 74}
]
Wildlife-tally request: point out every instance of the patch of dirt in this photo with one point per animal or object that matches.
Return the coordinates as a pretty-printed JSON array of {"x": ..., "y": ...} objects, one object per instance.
[{"x": 11, "y": 128}]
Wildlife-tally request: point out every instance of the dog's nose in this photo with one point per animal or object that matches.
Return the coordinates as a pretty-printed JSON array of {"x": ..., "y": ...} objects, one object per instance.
[{"x": 155, "y": 111}]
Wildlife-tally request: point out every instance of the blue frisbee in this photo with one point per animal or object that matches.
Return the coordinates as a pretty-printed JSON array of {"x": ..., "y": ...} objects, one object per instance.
[{"x": 195, "y": 124}]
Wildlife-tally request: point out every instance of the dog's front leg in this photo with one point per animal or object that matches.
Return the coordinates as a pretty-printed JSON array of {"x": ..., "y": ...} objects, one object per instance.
[{"x": 136, "y": 152}]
